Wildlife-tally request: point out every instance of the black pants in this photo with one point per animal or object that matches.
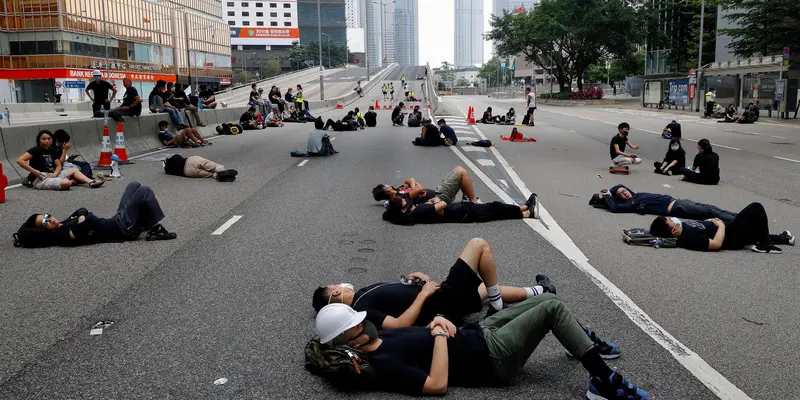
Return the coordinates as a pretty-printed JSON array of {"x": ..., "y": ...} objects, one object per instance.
[
  {"x": 426, "y": 142},
  {"x": 97, "y": 106},
  {"x": 710, "y": 108},
  {"x": 399, "y": 119},
  {"x": 751, "y": 226},
  {"x": 138, "y": 210},
  {"x": 698, "y": 178},
  {"x": 688, "y": 209},
  {"x": 468, "y": 212}
]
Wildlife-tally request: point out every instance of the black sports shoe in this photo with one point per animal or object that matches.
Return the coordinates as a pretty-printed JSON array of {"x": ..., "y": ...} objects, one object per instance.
[
  {"x": 544, "y": 281},
  {"x": 228, "y": 175},
  {"x": 766, "y": 248},
  {"x": 788, "y": 237},
  {"x": 158, "y": 232},
  {"x": 533, "y": 205},
  {"x": 491, "y": 311},
  {"x": 465, "y": 199}
]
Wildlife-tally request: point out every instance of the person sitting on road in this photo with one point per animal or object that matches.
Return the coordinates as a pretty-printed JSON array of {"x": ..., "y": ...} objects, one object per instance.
[
  {"x": 44, "y": 162},
  {"x": 750, "y": 229},
  {"x": 371, "y": 117},
  {"x": 402, "y": 212},
  {"x": 620, "y": 199},
  {"x": 248, "y": 119},
  {"x": 618, "y": 155},
  {"x": 730, "y": 114},
  {"x": 398, "y": 115},
  {"x": 429, "y": 135},
  {"x": 180, "y": 100},
  {"x": 341, "y": 125},
  {"x": 748, "y": 115},
  {"x": 273, "y": 119},
  {"x": 159, "y": 102},
  {"x": 186, "y": 136},
  {"x": 274, "y": 97},
  {"x": 756, "y": 111},
  {"x": 488, "y": 118},
  {"x": 131, "y": 102},
  {"x": 198, "y": 167},
  {"x": 457, "y": 180},
  {"x": 207, "y": 97},
  {"x": 411, "y": 96},
  {"x": 350, "y": 121},
  {"x": 414, "y": 302},
  {"x": 357, "y": 89},
  {"x": 426, "y": 360},
  {"x": 674, "y": 160},
  {"x": 511, "y": 117},
  {"x": 672, "y": 131},
  {"x": 415, "y": 118},
  {"x": 450, "y": 138},
  {"x": 359, "y": 118},
  {"x": 138, "y": 212},
  {"x": 705, "y": 168},
  {"x": 319, "y": 142}
]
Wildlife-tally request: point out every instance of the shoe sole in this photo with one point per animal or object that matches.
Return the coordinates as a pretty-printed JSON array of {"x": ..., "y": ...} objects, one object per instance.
[
  {"x": 603, "y": 356},
  {"x": 756, "y": 250}
]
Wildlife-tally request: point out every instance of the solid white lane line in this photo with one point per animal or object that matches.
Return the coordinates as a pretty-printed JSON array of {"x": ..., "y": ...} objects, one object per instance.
[
  {"x": 647, "y": 130},
  {"x": 787, "y": 159},
  {"x": 226, "y": 225},
  {"x": 714, "y": 144},
  {"x": 485, "y": 162},
  {"x": 302, "y": 163},
  {"x": 13, "y": 186},
  {"x": 553, "y": 233},
  {"x": 777, "y": 137},
  {"x": 473, "y": 149}
]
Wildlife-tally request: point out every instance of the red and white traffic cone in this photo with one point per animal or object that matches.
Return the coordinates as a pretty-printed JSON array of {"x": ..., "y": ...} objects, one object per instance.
[
  {"x": 105, "y": 153},
  {"x": 119, "y": 146}
]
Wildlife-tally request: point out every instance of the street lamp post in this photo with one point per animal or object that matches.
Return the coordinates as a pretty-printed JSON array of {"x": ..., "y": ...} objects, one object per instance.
[
  {"x": 105, "y": 37},
  {"x": 319, "y": 42},
  {"x": 700, "y": 53},
  {"x": 329, "y": 49}
]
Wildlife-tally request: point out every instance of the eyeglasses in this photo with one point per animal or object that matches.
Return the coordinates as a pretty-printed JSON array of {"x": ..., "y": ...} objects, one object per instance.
[{"x": 45, "y": 220}]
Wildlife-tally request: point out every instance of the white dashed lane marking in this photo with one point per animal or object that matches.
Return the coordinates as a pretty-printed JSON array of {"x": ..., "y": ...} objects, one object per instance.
[
  {"x": 302, "y": 163},
  {"x": 226, "y": 225}
]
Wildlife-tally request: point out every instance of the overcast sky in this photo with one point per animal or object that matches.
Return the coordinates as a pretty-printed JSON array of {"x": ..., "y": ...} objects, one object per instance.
[{"x": 436, "y": 31}]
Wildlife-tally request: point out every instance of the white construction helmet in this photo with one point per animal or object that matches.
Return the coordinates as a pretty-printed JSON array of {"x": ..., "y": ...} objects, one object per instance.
[
  {"x": 334, "y": 319},
  {"x": 96, "y": 73}
]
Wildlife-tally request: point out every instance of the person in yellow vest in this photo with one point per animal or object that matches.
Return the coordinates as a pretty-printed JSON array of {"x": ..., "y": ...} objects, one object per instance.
[
  {"x": 711, "y": 98},
  {"x": 299, "y": 103}
]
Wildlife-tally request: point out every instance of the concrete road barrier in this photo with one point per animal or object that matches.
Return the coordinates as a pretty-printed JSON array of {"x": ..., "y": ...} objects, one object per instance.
[
  {"x": 17, "y": 140},
  {"x": 87, "y": 137},
  {"x": 134, "y": 142},
  {"x": 8, "y": 163}
]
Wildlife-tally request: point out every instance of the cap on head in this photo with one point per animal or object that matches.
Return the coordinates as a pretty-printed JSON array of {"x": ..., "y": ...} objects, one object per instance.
[
  {"x": 335, "y": 319},
  {"x": 96, "y": 73}
]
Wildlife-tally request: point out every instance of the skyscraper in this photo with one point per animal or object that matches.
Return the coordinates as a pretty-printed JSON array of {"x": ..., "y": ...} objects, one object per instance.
[
  {"x": 353, "y": 13},
  {"x": 406, "y": 32},
  {"x": 388, "y": 31},
  {"x": 511, "y": 6},
  {"x": 333, "y": 21},
  {"x": 374, "y": 33},
  {"x": 468, "y": 43}
]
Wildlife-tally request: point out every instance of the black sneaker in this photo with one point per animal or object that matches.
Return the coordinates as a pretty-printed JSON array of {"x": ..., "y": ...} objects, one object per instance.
[
  {"x": 544, "y": 281},
  {"x": 228, "y": 175},
  {"x": 606, "y": 351},
  {"x": 465, "y": 199},
  {"x": 158, "y": 232},
  {"x": 491, "y": 311},
  {"x": 788, "y": 237},
  {"x": 767, "y": 248},
  {"x": 533, "y": 205},
  {"x": 615, "y": 387}
]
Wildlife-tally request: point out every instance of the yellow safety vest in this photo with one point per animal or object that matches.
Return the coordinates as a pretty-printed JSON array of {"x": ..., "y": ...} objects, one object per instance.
[
  {"x": 708, "y": 96},
  {"x": 299, "y": 96}
]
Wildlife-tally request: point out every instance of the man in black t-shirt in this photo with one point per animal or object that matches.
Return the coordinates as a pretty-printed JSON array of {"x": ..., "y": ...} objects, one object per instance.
[
  {"x": 398, "y": 115},
  {"x": 99, "y": 92},
  {"x": 207, "y": 97},
  {"x": 750, "y": 229},
  {"x": 472, "y": 279},
  {"x": 674, "y": 129},
  {"x": 617, "y": 148},
  {"x": 429, "y": 135},
  {"x": 371, "y": 117},
  {"x": 131, "y": 102},
  {"x": 457, "y": 179}
]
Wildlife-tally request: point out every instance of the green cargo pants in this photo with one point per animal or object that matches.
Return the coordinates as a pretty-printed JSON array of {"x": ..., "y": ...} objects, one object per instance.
[{"x": 513, "y": 334}]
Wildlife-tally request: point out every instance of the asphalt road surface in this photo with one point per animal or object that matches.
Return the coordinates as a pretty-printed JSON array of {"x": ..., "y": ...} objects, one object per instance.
[{"x": 238, "y": 305}]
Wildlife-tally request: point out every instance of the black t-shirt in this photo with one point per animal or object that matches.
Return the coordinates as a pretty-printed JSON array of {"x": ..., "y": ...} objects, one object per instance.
[
  {"x": 371, "y": 118},
  {"x": 696, "y": 234},
  {"x": 44, "y": 160},
  {"x": 396, "y": 112},
  {"x": 179, "y": 100},
  {"x": 206, "y": 94},
  {"x": 246, "y": 117},
  {"x": 129, "y": 97},
  {"x": 708, "y": 164},
  {"x": 382, "y": 299},
  {"x": 621, "y": 142},
  {"x": 402, "y": 362},
  {"x": 432, "y": 136},
  {"x": 101, "y": 89},
  {"x": 405, "y": 192},
  {"x": 679, "y": 156},
  {"x": 675, "y": 129},
  {"x": 254, "y": 95},
  {"x": 92, "y": 230}
]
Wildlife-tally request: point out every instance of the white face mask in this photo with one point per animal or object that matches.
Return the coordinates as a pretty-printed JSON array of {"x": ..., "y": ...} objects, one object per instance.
[
  {"x": 343, "y": 286},
  {"x": 674, "y": 148},
  {"x": 677, "y": 221}
]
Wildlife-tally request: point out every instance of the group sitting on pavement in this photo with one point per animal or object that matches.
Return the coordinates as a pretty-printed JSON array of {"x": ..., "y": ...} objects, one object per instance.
[
  {"x": 45, "y": 164},
  {"x": 159, "y": 102}
]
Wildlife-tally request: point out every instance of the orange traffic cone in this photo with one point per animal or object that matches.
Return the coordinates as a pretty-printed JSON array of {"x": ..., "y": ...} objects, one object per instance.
[
  {"x": 119, "y": 146},
  {"x": 3, "y": 184},
  {"x": 339, "y": 103},
  {"x": 429, "y": 104},
  {"x": 471, "y": 116},
  {"x": 105, "y": 153},
  {"x": 377, "y": 106}
]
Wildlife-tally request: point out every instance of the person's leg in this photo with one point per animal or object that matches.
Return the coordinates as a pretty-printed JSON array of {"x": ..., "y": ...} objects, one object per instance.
[
  {"x": 479, "y": 257},
  {"x": 197, "y": 136},
  {"x": 689, "y": 209},
  {"x": 622, "y": 161},
  {"x": 690, "y": 176},
  {"x": 199, "y": 167},
  {"x": 75, "y": 174},
  {"x": 139, "y": 210},
  {"x": 211, "y": 105},
  {"x": 329, "y": 123},
  {"x": 174, "y": 116},
  {"x": 751, "y": 226},
  {"x": 195, "y": 114}
]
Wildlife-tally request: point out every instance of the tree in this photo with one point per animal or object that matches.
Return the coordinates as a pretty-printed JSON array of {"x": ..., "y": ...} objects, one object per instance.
[
  {"x": 490, "y": 71},
  {"x": 674, "y": 26},
  {"x": 241, "y": 77},
  {"x": 272, "y": 68},
  {"x": 565, "y": 37},
  {"x": 764, "y": 28},
  {"x": 619, "y": 68},
  {"x": 462, "y": 82},
  {"x": 339, "y": 53},
  {"x": 446, "y": 72}
]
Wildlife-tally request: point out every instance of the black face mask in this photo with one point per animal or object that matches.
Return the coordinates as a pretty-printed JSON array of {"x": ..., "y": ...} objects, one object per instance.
[{"x": 369, "y": 329}]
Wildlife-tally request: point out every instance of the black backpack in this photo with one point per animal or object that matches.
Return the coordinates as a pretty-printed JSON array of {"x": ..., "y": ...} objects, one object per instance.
[
  {"x": 174, "y": 165},
  {"x": 327, "y": 148},
  {"x": 40, "y": 237},
  {"x": 345, "y": 367}
]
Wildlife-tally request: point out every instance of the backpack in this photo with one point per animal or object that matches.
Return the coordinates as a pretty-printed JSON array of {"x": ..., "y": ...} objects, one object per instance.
[
  {"x": 643, "y": 237},
  {"x": 174, "y": 165},
  {"x": 327, "y": 148},
  {"x": 482, "y": 143},
  {"x": 40, "y": 237},
  {"x": 597, "y": 201},
  {"x": 345, "y": 367}
]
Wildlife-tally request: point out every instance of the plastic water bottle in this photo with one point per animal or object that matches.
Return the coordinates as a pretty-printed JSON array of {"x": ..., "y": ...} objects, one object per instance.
[
  {"x": 199, "y": 103},
  {"x": 656, "y": 242},
  {"x": 8, "y": 116}
]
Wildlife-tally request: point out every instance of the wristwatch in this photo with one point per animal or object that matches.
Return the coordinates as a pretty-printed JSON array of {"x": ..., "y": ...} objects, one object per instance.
[{"x": 441, "y": 334}]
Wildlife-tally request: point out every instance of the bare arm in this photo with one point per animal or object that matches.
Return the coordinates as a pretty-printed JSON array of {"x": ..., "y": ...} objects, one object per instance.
[
  {"x": 416, "y": 191},
  {"x": 411, "y": 182},
  {"x": 436, "y": 383},
  {"x": 22, "y": 161},
  {"x": 89, "y": 94},
  {"x": 619, "y": 152},
  {"x": 634, "y": 146},
  {"x": 136, "y": 101},
  {"x": 412, "y": 313},
  {"x": 716, "y": 243},
  {"x": 113, "y": 92}
]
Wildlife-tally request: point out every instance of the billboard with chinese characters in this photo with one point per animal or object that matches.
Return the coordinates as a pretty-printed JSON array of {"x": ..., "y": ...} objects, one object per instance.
[{"x": 264, "y": 36}]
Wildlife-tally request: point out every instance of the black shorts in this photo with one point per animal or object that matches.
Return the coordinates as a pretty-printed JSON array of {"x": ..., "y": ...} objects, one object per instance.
[
  {"x": 457, "y": 296},
  {"x": 531, "y": 110}
]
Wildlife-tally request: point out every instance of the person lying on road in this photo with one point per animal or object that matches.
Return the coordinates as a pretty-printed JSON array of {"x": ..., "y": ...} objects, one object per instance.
[
  {"x": 620, "y": 199},
  {"x": 427, "y": 360},
  {"x": 187, "y": 136},
  {"x": 44, "y": 162},
  {"x": 138, "y": 212},
  {"x": 457, "y": 179},
  {"x": 750, "y": 229},
  {"x": 198, "y": 167},
  {"x": 401, "y": 212}
]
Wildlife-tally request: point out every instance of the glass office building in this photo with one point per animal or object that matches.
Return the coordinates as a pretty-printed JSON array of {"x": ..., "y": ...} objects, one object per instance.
[
  {"x": 333, "y": 21},
  {"x": 51, "y": 46}
]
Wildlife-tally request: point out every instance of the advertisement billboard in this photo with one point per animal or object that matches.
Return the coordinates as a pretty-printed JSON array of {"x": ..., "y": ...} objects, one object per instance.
[
  {"x": 264, "y": 36},
  {"x": 679, "y": 92}
]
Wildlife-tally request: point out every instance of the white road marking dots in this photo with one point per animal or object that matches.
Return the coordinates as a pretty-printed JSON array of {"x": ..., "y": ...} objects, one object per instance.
[
  {"x": 549, "y": 229},
  {"x": 486, "y": 162},
  {"x": 227, "y": 225},
  {"x": 714, "y": 144},
  {"x": 777, "y": 137},
  {"x": 473, "y": 149},
  {"x": 503, "y": 181},
  {"x": 302, "y": 163},
  {"x": 787, "y": 159}
]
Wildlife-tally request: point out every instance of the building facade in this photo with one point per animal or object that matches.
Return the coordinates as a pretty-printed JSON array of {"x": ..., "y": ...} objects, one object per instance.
[
  {"x": 511, "y": 6},
  {"x": 373, "y": 31},
  {"x": 333, "y": 22},
  {"x": 352, "y": 13},
  {"x": 52, "y": 46},
  {"x": 468, "y": 39},
  {"x": 406, "y": 32},
  {"x": 260, "y": 31}
]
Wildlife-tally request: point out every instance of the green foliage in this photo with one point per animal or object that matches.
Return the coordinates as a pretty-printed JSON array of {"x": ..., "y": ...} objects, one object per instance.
[
  {"x": 271, "y": 68},
  {"x": 565, "y": 37},
  {"x": 764, "y": 27},
  {"x": 557, "y": 95},
  {"x": 339, "y": 53},
  {"x": 489, "y": 71},
  {"x": 241, "y": 77},
  {"x": 462, "y": 82},
  {"x": 674, "y": 25},
  {"x": 630, "y": 65},
  {"x": 446, "y": 72}
]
